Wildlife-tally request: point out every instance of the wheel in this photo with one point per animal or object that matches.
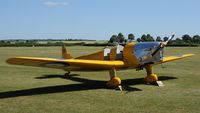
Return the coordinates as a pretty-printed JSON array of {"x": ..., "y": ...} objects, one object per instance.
[
  {"x": 114, "y": 82},
  {"x": 151, "y": 78}
]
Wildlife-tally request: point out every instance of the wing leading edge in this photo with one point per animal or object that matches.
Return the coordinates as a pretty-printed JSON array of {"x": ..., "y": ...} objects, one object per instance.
[
  {"x": 66, "y": 64},
  {"x": 172, "y": 58}
]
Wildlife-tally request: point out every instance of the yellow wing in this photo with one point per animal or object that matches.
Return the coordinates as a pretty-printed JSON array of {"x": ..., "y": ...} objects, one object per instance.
[
  {"x": 172, "y": 58},
  {"x": 66, "y": 64}
]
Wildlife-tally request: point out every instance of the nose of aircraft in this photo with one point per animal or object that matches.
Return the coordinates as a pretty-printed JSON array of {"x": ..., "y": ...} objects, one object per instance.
[{"x": 162, "y": 45}]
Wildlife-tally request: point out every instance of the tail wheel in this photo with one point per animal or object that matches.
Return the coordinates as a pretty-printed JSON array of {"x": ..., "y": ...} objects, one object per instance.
[{"x": 67, "y": 74}]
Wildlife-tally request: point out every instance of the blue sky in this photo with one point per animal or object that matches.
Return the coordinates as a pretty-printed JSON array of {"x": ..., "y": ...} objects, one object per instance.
[{"x": 97, "y": 19}]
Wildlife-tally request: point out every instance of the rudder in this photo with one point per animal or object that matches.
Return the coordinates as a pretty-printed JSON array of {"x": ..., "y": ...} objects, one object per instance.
[{"x": 65, "y": 54}]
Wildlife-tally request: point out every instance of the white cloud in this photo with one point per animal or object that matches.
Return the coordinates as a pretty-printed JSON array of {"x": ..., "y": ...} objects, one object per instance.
[{"x": 53, "y": 3}]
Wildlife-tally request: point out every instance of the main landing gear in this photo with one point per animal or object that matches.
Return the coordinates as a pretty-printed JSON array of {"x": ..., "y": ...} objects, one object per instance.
[
  {"x": 151, "y": 77},
  {"x": 115, "y": 81}
]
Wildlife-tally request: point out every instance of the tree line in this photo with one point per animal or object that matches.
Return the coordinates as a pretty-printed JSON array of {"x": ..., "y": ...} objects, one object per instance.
[{"x": 185, "y": 40}]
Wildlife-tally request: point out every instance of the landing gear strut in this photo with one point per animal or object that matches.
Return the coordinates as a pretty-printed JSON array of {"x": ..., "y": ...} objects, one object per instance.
[
  {"x": 115, "y": 81},
  {"x": 151, "y": 77}
]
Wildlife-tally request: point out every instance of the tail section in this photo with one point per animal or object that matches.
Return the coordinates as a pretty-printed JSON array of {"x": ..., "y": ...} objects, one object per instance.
[{"x": 65, "y": 55}]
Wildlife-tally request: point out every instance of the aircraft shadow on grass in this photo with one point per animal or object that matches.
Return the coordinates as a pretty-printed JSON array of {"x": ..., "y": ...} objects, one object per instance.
[{"x": 85, "y": 84}]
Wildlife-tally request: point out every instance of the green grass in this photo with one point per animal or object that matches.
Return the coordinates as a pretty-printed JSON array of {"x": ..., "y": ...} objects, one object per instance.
[{"x": 41, "y": 90}]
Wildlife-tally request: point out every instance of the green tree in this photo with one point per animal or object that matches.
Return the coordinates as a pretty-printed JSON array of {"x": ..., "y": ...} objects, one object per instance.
[
  {"x": 139, "y": 40},
  {"x": 31, "y": 42},
  {"x": 147, "y": 38},
  {"x": 113, "y": 39},
  {"x": 120, "y": 38},
  {"x": 150, "y": 38},
  {"x": 165, "y": 38},
  {"x": 179, "y": 41},
  {"x": 158, "y": 39},
  {"x": 186, "y": 38},
  {"x": 125, "y": 41},
  {"x": 131, "y": 37},
  {"x": 196, "y": 39},
  {"x": 144, "y": 38}
]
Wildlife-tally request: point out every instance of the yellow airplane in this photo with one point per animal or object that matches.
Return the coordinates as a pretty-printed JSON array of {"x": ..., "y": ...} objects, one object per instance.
[{"x": 131, "y": 56}]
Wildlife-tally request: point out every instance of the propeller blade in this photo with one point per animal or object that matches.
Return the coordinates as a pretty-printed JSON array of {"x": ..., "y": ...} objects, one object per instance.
[
  {"x": 170, "y": 38},
  {"x": 162, "y": 45}
]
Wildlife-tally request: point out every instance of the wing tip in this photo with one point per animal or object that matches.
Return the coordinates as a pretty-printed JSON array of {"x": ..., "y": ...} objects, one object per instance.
[
  {"x": 188, "y": 55},
  {"x": 11, "y": 61}
]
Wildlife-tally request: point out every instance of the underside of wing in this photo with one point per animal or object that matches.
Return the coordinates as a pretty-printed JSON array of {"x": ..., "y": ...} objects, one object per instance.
[
  {"x": 172, "y": 58},
  {"x": 66, "y": 64}
]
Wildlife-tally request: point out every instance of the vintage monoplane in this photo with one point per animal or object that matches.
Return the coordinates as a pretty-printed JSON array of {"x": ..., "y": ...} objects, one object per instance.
[{"x": 131, "y": 56}]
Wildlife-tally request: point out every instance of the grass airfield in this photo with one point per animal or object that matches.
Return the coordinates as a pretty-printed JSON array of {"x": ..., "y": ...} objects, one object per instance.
[{"x": 42, "y": 90}]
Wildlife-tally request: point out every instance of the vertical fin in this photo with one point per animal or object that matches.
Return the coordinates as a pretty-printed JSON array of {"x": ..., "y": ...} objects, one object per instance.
[{"x": 65, "y": 55}]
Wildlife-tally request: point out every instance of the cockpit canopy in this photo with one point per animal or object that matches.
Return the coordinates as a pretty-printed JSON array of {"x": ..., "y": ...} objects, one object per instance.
[{"x": 143, "y": 52}]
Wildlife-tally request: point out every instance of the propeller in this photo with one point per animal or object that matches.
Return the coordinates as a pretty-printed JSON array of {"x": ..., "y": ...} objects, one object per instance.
[{"x": 162, "y": 45}]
